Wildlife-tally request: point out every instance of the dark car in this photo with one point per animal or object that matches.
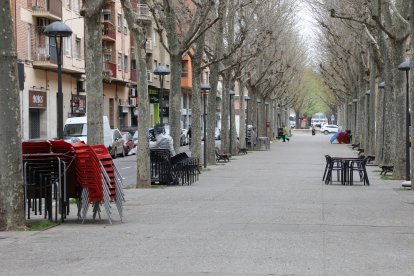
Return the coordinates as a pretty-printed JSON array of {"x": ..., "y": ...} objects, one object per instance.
[{"x": 128, "y": 142}]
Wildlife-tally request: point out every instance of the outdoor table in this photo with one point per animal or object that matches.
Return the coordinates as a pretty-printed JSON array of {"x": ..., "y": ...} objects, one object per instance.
[{"x": 346, "y": 161}]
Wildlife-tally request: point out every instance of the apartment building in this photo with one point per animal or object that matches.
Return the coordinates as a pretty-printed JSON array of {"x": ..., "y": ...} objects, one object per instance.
[{"x": 36, "y": 54}]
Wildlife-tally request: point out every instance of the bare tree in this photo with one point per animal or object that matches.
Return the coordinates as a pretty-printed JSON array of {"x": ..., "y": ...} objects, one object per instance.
[
  {"x": 138, "y": 34},
  {"x": 182, "y": 22},
  {"x": 91, "y": 11},
  {"x": 11, "y": 180}
]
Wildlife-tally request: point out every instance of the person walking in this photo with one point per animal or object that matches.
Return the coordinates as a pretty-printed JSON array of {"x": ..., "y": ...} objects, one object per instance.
[
  {"x": 285, "y": 135},
  {"x": 189, "y": 135}
]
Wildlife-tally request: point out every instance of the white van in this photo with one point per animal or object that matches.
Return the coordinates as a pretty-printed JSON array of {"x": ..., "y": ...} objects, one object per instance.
[{"x": 76, "y": 127}]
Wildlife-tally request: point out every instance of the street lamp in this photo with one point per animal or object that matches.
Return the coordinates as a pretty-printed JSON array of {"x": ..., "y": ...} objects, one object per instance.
[
  {"x": 247, "y": 99},
  {"x": 355, "y": 114},
  {"x": 257, "y": 117},
  {"x": 405, "y": 66},
  {"x": 59, "y": 30},
  {"x": 205, "y": 87},
  {"x": 231, "y": 94},
  {"x": 161, "y": 71}
]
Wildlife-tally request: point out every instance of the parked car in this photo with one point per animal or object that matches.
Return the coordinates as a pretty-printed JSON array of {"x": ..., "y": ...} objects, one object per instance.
[
  {"x": 184, "y": 137},
  {"x": 117, "y": 146},
  {"x": 76, "y": 129},
  {"x": 128, "y": 142},
  {"x": 329, "y": 129}
]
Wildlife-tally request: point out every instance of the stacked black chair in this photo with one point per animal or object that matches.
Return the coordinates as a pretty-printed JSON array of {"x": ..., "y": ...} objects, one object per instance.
[
  {"x": 359, "y": 166},
  {"x": 331, "y": 166}
]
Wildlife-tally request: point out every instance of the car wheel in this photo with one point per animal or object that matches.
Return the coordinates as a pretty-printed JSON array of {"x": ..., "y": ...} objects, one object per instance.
[
  {"x": 123, "y": 152},
  {"x": 326, "y": 132}
]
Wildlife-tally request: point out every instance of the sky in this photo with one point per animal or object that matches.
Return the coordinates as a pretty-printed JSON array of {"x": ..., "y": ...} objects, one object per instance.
[{"x": 307, "y": 26}]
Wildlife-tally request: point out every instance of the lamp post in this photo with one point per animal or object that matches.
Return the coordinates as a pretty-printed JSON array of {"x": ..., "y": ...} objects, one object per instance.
[
  {"x": 231, "y": 94},
  {"x": 205, "y": 87},
  {"x": 257, "y": 117},
  {"x": 405, "y": 66},
  {"x": 355, "y": 101},
  {"x": 247, "y": 99},
  {"x": 58, "y": 30},
  {"x": 161, "y": 71}
]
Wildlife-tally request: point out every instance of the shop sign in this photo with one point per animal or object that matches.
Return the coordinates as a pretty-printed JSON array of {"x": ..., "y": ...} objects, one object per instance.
[
  {"x": 152, "y": 91},
  {"x": 37, "y": 99},
  {"x": 78, "y": 104}
]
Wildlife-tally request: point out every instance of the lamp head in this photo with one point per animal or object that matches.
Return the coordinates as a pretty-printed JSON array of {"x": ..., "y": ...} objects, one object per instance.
[
  {"x": 58, "y": 29},
  {"x": 247, "y": 98},
  {"x": 381, "y": 85},
  {"x": 231, "y": 92},
  {"x": 405, "y": 66},
  {"x": 161, "y": 71},
  {"x": 205, "y": 87},
  {"x": 355, "y": 100},
  {"x": 368, "y": 92}
]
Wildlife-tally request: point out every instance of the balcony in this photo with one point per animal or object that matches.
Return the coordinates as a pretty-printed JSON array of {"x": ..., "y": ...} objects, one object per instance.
[
  {"x": 44, "y": 57},
  {"x": 109, "y": 70},
  {"x": 51, "y": 10},
  {"x": 134, "y": 75},
  {"x": 108, "y": 32}
]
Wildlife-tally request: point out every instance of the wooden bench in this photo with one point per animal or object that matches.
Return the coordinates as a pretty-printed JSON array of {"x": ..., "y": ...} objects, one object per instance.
[
  {"x": 220, "y": 156},
  {"x": 386, "y": 169}
]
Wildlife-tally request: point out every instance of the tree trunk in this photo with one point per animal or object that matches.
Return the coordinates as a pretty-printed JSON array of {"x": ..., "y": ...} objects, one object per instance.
[
  {"x": 196, "y": 99},
  {"x": 372, "y": 106},
  {"x": 93, "y": 71},
  {"x": 143, "y": 162},
  {"x": 242, "y": 123},
  {"x": 175, "y": 100},
  {"x": 412, "y": 92},
  {"x": 225, "y": 128},
  {"x": 11, "y": 180},
  {"x": 400, "y": 141}
]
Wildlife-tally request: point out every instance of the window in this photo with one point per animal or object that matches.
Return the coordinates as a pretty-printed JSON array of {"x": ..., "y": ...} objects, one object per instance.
[
  {"x": 126, "y": 63},
  {"x": 68, "y": 48},
  {"x": 119, "y": 22},
  {"x": 77, "y": 5},
  {"x": 119, "y": 61},
  {"x": 125, "y": 26},
  {"x": 107, "y": 57},
  {"x": 133, "y": 64},
  {"x": 107, "y": 16},
  {"x": 78, "y": 48},
  {"x": 68, "y": 4},
  {"x": 154, "y": 39}
]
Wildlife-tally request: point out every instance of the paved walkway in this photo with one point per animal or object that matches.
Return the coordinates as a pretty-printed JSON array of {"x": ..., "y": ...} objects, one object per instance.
[{"x": 267, "y": 213}]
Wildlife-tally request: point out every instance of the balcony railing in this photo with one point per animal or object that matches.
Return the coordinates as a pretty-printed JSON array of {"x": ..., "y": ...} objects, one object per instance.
[
  {"x": 108, "y": 32},
  {"x": 48, "y": 9},
  {"x": 109, "y": 69}
]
